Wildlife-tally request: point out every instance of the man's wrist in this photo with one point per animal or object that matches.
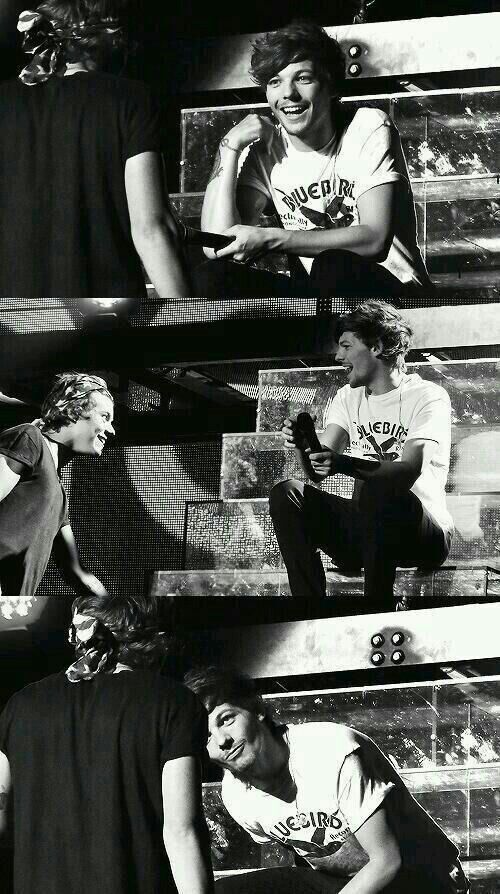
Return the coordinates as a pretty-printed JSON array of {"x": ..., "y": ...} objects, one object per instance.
[{"x": 227, "y": 143}]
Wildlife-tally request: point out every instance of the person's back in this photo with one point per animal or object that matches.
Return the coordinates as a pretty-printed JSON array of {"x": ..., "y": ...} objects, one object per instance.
[
  {"x": 86, "y": 763},
  {"x": 63, "y": 148}
]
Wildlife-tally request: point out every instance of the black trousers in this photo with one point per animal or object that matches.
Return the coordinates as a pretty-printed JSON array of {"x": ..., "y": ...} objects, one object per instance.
[
  {"x": 309, "y": 881},
  {"x": 378, "y": 531},
  {"x": 280, "y": 881},
  {"x": 332, "y": 273}
]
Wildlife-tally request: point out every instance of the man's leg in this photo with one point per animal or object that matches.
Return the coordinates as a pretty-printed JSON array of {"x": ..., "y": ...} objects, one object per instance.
[
  {"x": 223, "y": 278},
  {"x": 396, "y": 531},
  {"x": 306, "y": 519},
  {"x": 287, "y": 880},
  {"x": 345, "y": 273}
]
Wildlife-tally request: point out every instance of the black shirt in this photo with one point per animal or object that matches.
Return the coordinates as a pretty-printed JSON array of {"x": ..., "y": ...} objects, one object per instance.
[
  {"x": 32, "y": 514},
  {"x": 86, "y": 761},
  {"x": 64, "y": 221}
]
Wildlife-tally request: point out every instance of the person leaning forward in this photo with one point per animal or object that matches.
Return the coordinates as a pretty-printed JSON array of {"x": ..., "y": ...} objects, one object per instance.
[
  {"x": 76, "y": 417},
  {"x": 327, "y": 793}
]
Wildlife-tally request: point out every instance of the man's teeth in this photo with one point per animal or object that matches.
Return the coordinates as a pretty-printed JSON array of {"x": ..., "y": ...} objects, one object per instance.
[{"x": 294, "y": 110}]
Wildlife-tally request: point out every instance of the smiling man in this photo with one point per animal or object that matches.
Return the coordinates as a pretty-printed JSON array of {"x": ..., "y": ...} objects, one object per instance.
[
  {"x": 327, "y": 793},
  {"x": 335, "y": 178},
  {"x": 398, "y": 429},
  {"x": 77, "y": 417}
]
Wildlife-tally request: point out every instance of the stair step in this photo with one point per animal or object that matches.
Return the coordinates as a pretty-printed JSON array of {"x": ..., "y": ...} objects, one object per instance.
[
  {"x": 472, "y": 386},
  {"x": 239, "y": 534},
  {"x": 446, "y": 586},
  {"x": 439, "y": 132},
  {"x": 253, "y": 463}
]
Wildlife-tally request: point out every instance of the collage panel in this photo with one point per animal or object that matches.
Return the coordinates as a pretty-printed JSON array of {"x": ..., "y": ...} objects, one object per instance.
[{"x": 249, "y": 441}]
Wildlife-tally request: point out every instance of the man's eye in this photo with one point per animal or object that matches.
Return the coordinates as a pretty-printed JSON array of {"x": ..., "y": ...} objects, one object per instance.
[{"x": 272, "y": 83}]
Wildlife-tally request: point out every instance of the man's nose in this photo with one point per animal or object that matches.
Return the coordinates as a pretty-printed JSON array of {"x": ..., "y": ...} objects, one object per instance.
[
  {"x": 110, "y": 428},
  {"x": 289, "y": 89},
  {"x": 224, "y": 741}
]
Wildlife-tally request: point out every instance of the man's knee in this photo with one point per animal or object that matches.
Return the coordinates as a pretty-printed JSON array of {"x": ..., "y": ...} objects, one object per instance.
[
  {"x": 335, "y": 265},
  {"x": 285, "y": 495}
]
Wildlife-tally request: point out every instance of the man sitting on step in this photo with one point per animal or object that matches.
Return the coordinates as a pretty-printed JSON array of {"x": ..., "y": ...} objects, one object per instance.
[
  {"x": 398, "y": 429},
  {"x": 327, "y": 793},
  {"x": 334, "y": 177}
]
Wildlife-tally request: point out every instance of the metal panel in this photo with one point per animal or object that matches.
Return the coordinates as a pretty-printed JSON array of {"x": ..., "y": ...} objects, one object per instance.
[
  {"x": 410, "y": 47},
  {"x": 439, "y": 635}
]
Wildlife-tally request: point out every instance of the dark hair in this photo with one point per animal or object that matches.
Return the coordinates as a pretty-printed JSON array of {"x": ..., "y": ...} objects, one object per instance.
[
  {"x": 374, "y": 321},
  {"x": 70, "y": 398},
  {"x": 217, "y": 685},
  {"x": 131, "y": 628},
  {"x": 100, "y": 46},
  {"x": 298, "y": 41}
]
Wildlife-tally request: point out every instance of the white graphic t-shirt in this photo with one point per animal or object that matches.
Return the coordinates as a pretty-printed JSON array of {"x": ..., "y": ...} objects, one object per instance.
[
  {"x": 379, "y": 425},
  {"x": 320, "y": 189},
  {"x": 341, "y": 779}
]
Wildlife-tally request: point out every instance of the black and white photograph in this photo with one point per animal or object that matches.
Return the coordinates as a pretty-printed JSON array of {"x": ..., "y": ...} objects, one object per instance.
[{"x": 250, "y": 447}]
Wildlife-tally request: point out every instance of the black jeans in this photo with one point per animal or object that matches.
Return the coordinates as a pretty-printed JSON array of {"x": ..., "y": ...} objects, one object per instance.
[
  {"x": 309, "y": 881},
  {"x": 333, "y": 273},
  {"x": 380, "y": 530},
  {"x": 287, "y": 880}
]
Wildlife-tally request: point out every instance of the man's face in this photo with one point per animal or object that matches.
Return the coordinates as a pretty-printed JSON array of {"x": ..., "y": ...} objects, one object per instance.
[
  {"x": 301, "y": 103},
  {"x": 360, "y": 362},
  {"x": 236, "y": 738},
  {"x": 89, "y": 433}
]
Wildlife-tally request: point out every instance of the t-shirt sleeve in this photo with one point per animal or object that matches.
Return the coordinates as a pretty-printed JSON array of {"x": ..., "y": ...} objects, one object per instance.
[
  {"x": 360, "y": 792},
  {"x": 432, "y": 417},
  {"x": 186, "y": 731},
  {"x": 142, "y": 122},
  {"x": 253, "y": 174},
  {"x": 21, "y": 445},
  {"x": 377, "y": 160},
  {"x": 336, "y": 413}
]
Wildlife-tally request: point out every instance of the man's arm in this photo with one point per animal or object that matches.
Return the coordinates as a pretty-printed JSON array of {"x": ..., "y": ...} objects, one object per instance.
[
  {"x": 5, "y": 789},
  {"x": 10, "y": 473},
  {"x": 224, "y": 205},
  {"x": 185, "y": 833},
  {"x": 371, "y": 238},
  {"x": 379, "y": 842},
  {"x": 66, "y": 555},
  {"x": 153, "y": 228},
  {"x": 401, "y": 475}
]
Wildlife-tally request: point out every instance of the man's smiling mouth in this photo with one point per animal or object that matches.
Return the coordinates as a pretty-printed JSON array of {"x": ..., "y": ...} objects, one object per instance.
[{"x": 293, "y": 111}]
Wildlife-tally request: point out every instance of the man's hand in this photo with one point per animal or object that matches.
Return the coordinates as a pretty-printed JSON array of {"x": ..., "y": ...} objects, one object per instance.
[
  {"x": 252, "y": 128},
  {"x": 86, "y": 583},
  {"x": 322, "y": 463},
  {"x": 291, "y": 436},
  {"x": 249, "y": 243}
]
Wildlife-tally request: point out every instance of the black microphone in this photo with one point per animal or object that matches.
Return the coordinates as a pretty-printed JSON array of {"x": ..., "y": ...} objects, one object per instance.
[
  {"x": 191, "y": 236},
  {"x": 304, "y": 426}
]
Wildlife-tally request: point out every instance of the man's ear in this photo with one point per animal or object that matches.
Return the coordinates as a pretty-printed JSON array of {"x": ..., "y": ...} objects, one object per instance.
[{"x": 377, "y": 349}]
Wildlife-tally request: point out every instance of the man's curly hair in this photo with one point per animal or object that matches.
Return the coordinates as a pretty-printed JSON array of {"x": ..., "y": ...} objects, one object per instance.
[
  {"x": 296, "y": 42},
  {"x": 97, "y": 47},
  {"x": 70, "y": 398},
  {"x": 129, "y": 627}
]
